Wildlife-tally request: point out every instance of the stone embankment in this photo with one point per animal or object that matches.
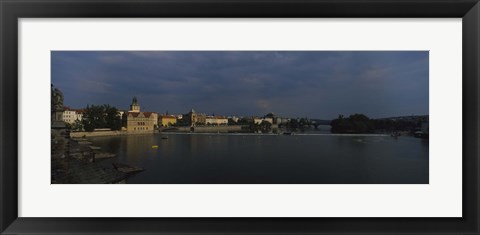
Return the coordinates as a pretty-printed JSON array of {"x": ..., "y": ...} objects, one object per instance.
[
  {"x": 199, "y": 129},
  {"x": 77, "y": 165},
  {"x": 75, "y": 161},
  {"x": 206, "y": 129},
  {"x": 84, "y": 134}
]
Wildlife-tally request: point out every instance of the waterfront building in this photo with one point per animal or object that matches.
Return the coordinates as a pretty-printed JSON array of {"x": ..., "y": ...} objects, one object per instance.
[
  {"x": 216, "y": 120},
  {"x": 167, "y": 120},
  {"x": 235, "y": 119},
  {"x": 275, "y": 119},
  {"x": 193, "y": 118},
  {"x": 71, "y": 115},
  {"x": 137, "y": 121},
  {"x": 260, "y": 120}
]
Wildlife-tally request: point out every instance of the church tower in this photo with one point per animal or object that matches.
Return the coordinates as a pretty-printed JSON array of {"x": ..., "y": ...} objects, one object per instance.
[{"x": 135, "y": 107}]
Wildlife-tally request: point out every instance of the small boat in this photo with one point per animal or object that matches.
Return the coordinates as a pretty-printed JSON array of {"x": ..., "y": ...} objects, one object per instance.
[
  {"x": 288, "y": 133},
  {"x": 154, "y": 146}
]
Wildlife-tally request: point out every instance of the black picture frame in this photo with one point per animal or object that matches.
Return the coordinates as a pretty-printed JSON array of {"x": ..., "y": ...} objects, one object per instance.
[{"x": 12, "y": 10}]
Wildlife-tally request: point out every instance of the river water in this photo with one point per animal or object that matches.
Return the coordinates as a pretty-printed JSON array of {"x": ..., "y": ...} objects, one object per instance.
[{"x": 311, "y": 158}]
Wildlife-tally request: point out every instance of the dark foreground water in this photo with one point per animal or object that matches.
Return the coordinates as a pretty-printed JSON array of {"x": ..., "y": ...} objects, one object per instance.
[{"x": 271, "y": 159}]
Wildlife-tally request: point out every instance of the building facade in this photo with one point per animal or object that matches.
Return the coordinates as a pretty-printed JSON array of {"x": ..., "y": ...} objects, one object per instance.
[
  {"x": 71, "y": 115},
  {"x": 193, "y": 118},
  {"x": 260, "y": 120},
  {"x": 167, "y": 120},
  {"x": 216, "y": 120},
  {"x": 137, "y": 121}
]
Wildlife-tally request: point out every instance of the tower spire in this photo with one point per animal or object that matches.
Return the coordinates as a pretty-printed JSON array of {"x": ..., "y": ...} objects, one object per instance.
[{"x": 135, "y": 107}]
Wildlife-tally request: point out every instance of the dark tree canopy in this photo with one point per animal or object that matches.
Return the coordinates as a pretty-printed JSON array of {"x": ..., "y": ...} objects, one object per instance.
[
  {"x": 359, "y": 123},
  {"x": 356, "y": 123},
  {"x": 101, "y": 116}
]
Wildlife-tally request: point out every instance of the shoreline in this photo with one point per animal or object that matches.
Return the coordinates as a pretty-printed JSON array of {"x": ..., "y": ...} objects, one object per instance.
[
  {"x": 271, "y": 134},
  {"x": 85, "y": 134},
  {"x": 80, "y": 135}
]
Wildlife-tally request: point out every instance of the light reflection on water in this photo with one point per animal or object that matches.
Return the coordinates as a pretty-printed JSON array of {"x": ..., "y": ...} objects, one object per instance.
[{"x": 271, "y": 159}]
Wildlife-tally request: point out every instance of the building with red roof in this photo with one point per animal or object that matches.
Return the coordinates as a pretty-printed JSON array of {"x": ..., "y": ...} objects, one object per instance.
[{"x": 137, "y": 121}]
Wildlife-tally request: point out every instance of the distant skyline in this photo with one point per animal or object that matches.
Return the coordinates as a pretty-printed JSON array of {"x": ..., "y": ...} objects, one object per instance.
[{"x": 314, "y": 84}]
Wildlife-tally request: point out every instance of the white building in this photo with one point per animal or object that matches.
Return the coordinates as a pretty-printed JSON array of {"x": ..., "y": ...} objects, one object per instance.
[
  {"x": 71, "y": 115},
  {"x": 260, "y": 120},
  {"x": 216, "y": 120},
  {"x": 234, "y": 118}
]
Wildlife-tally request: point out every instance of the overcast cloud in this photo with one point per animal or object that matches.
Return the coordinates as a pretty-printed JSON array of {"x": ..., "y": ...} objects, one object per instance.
[{"x": 311, "y": 84}]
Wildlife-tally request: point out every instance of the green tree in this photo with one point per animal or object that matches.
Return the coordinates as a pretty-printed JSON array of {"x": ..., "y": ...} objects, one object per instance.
[
  {"x": 112, "y": 118},
  {"x": 356, "y": 123},
  {"x": 265, "y": 125},
  {"x": 293, "y": 123},
  {"x": 75, "y": 126},
  {"x": 231, "y": 122},
  {"x": 101, "y": 116},
  {"x": 243, "y": 121}
]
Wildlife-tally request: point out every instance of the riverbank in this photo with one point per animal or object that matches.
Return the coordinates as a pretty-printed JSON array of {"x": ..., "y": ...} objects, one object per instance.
[
  {"x": 84, "y": 134},
  {"x": 208, "y": 130},
  {"x": 273, "y": 134},
  {"x": 77, "y": 161},
  {"x": 76, "y": 171},
  {"x": 74, "y": 162},
  {"x": 205, "y": 129}
]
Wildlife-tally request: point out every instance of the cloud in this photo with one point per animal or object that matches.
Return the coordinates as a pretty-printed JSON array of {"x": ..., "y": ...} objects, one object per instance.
[
  {"x": 112, "y": 59},
  {"x": 265, "y": 105},
  {"x": 376, "y": 74},
  {"x": 295, "y": 83},
  {"x": 92, "y": 86}
]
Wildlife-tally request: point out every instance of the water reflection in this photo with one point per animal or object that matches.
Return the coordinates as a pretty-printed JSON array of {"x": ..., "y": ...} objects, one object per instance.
[{"x": 271, "y": 159}]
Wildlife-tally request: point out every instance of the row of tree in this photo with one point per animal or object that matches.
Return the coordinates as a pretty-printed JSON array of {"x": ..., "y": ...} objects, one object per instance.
[
  {"x": 98, "y": 116},
  {"x": 298, "y": 123},
  {"x": 356, "y": 123},
  {"x": 264, "y": 126},
  {"x": 389, "y": 125},
  {"x": 359, "y": 123}
]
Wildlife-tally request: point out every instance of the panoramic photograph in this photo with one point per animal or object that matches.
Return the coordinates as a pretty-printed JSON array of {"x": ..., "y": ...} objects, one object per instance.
[{"x": 239, "y": 117}]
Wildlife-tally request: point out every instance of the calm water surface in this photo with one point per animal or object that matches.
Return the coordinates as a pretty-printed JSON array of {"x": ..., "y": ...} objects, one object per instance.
[{"x": 270, "y": 159}]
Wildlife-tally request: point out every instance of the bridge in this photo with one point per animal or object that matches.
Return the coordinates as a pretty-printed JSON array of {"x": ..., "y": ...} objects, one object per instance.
[{"x": 318, "y": 122}]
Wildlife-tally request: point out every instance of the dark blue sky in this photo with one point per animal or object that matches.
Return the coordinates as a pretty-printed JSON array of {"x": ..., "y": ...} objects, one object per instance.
[{"x": 315, "y": 84}]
